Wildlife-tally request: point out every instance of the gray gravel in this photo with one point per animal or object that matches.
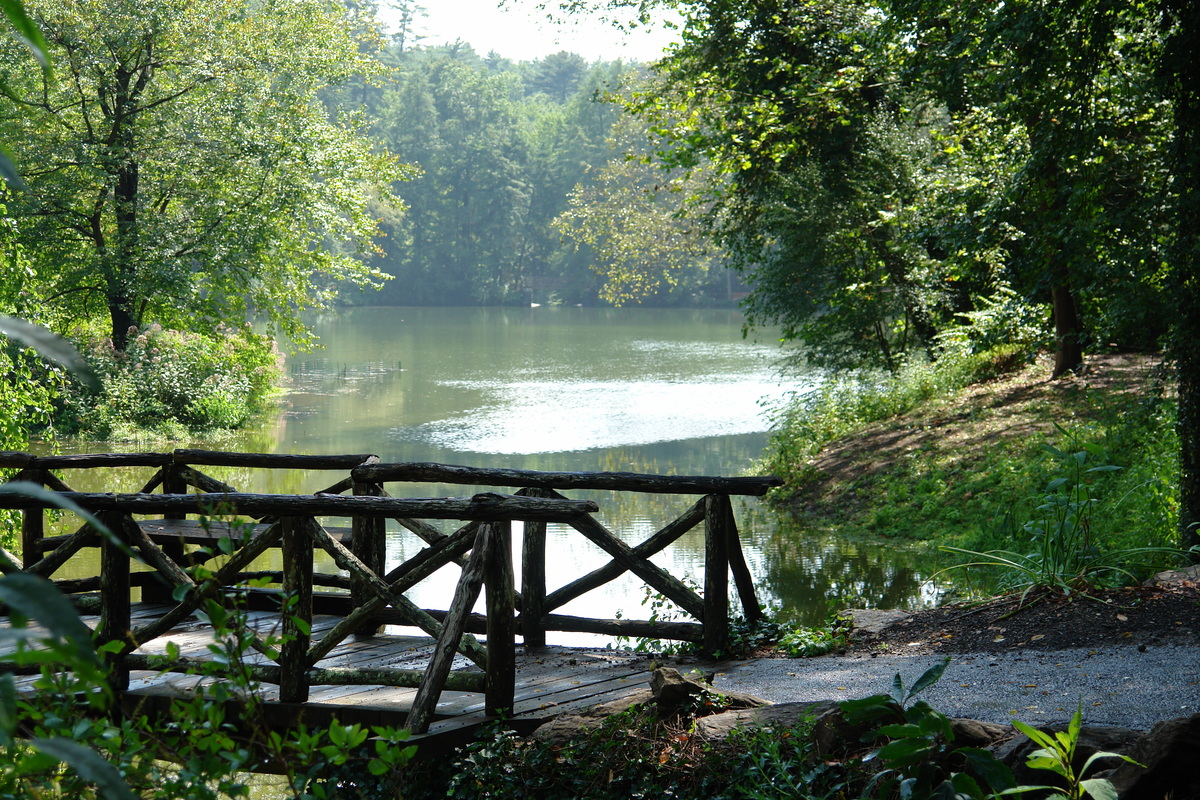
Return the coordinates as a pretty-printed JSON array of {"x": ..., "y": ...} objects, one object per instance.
[{"x": 1121, "y": 687}]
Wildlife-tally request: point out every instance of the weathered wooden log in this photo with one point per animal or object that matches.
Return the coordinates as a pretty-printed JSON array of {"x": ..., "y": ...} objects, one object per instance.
[
  {"x": 164, "y": 564},
  {"x": 533, "y": 579},
  {"x": 456, "y": 681},
  {"x": 369, "y": 544},
  {"x": 486, "y": 506},
  {"x": 15, "y": 459},
  {"x": 658, "y": 578},
  {"x": 115, "y": 620},
  {"x": 173, "y": 482},
  {"x": 742, "y": 578},
  {"x": 33, "y": 524},
  {"x": 94, "y": 460},
  {"x": 399, "y": 580},
  {"x": 465, "y": 595},
  {"x": 631, "y": 628},
  {"x": 614, "y": 569},
  {"x": 616, "y": 481},
  {"x": 468, "y": 645},
  {"x": 46, "y": 566},
  {"x": 205, "y": 483},
  {"x": 54, "y": 482},
  {"x": 240, "y": 559},
  {"x": 501, "y": 625},
  {"x": 716, "y": 574},
  {"x": 9, "y": 562},
  {"x": 344, "y": 485},
  {"x": 219, "y": 458},
  {"x": 297, "y": 608},
  {"x": 155, "y": 481}
]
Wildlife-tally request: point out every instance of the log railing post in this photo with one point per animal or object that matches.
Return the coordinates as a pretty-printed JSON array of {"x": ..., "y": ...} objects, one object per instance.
[
  {"x": 297, "y": 610},
  {"x": 500, "y": 686},
  {"x": 368, "y": 541},
  {"x": 115, "y": 609},
  {"x": 172, "y": 483},
  {"x": 533, "y": 580},
  {"x": 716, "y": 573},
  {"x": 742, "y": 578},
  {"x": 465, "y": 595},
  {"x": 33, "y": 525}
]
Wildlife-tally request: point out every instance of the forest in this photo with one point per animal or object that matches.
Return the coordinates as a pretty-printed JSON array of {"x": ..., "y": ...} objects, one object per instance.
[{"x": 890, "y": 182}]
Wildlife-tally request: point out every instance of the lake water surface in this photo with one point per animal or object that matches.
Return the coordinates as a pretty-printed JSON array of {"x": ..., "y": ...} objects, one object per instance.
[{"x": 573, "y": 389}]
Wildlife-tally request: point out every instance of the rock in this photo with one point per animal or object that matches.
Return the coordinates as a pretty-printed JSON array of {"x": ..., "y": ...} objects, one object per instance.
[
  {"x": 973, "y": 733},
  {"x": 1172, "y": 576},
  {"x": 1016, "y": 751},
  {"x": 565, "y": 727},
  {"x": 1168, "y": 756},
  {"x": 669, "y": 691},
  {"x": 781, "y": 715},
  {"x": 673, "y": 691},
  {"x": 868, "y": 622},
  {"x": 832, "y": 733}
]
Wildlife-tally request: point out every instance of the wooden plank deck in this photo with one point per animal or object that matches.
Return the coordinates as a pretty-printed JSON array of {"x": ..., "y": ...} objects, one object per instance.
[{"x": 550, "y": 680}]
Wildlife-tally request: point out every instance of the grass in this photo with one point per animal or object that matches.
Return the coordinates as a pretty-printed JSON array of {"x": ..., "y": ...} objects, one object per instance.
[{"x": 938, "y": 454}]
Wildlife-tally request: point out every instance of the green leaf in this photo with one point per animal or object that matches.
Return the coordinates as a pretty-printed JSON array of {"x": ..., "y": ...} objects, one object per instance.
[
  {"x": 89, "y": 765},
  {"x": 931, "y": 676},
  {"x": 1100, "y": 788},
  {"x": 1033, "y": 733},
  {"x": 39, "y": 599},
  {"x": 905, "y": 752},
  {"x": 27, "y": 489},
  {"x": 51, "y": 347},
  {"x": 8, "y": 171},
  {"x": 27, "y": 31},
  {"x": 8, "y": 709},
  {"x": 994, "y": 772}
]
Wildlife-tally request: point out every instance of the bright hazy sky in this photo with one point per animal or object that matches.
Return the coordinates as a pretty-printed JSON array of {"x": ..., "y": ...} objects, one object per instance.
[{"x": 520, "y": 32}]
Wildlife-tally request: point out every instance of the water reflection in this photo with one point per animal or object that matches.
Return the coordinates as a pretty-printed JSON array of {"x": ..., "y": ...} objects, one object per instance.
[{"x": 626, "y": 390}]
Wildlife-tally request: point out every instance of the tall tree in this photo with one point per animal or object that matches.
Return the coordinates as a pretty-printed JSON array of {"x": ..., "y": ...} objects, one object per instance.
[
  {"x": 1179, "y": 67},
  {"x": 1072, "y": 78},
  {"x": 180, "y": 166}
]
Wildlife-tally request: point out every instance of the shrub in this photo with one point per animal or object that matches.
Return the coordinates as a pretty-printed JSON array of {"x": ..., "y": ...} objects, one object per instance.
[{"x": 175, "y": 381}]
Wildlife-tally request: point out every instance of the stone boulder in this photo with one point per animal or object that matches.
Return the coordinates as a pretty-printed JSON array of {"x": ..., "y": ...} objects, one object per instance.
[
  {"x": 1167, "y": 756},
  {"x": 670, "y": 691}
]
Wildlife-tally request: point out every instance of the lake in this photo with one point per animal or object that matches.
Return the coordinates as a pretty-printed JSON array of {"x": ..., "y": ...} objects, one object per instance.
[{"x": 573, "y": 389}]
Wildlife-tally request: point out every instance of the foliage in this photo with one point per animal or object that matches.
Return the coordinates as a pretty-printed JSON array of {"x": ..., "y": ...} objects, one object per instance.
[
  {"x": 165, "y": 378},
  {"x": 639, "y": 221},
  {"x": 199, "y": 752},
  {"x": 1057, "y": 755},
  {"x": 919, "y": 757},
  {"x": 806, "y": 642},
  {"x": 978, "y": 498},
  {"x": 180, "y": 169},
  {"x": 1067, "y": 556},
  {"x": 633, "y": 754},
  {"x": 838, "y": 405}
]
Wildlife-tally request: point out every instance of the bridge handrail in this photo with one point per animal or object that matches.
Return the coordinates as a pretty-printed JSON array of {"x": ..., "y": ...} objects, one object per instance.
[
  {"x": 417, "y": 472},
  {"x": 536, "y": 503}
]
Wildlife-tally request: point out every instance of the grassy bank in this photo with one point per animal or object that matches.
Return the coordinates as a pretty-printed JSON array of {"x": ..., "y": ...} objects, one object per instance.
[{"x": 975, "y": 454}]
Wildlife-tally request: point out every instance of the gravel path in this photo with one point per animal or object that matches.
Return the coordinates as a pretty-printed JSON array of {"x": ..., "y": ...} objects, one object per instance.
[{"x": 1124, "y": 687}]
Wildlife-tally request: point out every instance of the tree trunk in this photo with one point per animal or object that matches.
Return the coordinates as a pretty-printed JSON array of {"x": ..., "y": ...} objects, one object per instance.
[
  {"x": 1181, "y": 64},
  {"x": 1068, "y": 353}
]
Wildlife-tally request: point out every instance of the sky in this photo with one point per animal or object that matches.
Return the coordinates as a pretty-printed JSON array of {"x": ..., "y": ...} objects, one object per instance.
[{"x": 520, "y": 32}]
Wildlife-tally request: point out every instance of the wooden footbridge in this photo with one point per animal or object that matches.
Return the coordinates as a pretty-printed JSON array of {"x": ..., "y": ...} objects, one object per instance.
[{"x": 186, "y": 544}]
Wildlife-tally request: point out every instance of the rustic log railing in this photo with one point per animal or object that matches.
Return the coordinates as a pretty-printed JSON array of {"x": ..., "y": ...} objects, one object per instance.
[
  {"x": 723, "y": 550},
  {"x": 482, "y": 548}
]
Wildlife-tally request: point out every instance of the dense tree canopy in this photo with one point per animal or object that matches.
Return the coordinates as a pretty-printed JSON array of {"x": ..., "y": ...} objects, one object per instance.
[
  {"x": 889, "y": 170},
  {"x": 180, "y": 168}
]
